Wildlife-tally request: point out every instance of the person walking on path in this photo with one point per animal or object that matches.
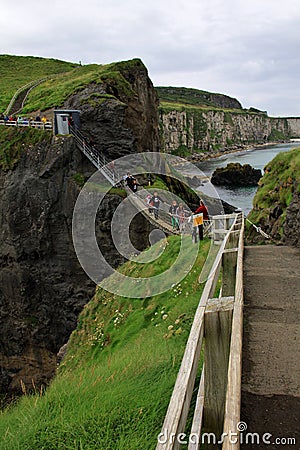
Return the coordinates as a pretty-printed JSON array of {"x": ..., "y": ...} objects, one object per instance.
[
  {"x": 202, "y": 209},
  {"x": 156, "y": 200}
]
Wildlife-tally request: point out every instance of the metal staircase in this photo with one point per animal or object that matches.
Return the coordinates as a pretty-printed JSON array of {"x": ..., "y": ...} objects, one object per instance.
[
  {"x": 97, "y": 158},
  {"x": 114, "y": 178}
]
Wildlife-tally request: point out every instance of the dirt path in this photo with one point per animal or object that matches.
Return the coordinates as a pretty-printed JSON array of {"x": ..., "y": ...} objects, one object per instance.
[{"x": 271, "y": 357}]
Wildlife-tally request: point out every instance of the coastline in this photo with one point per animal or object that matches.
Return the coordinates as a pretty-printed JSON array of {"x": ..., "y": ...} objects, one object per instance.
[{"x": 199, "y": 157}]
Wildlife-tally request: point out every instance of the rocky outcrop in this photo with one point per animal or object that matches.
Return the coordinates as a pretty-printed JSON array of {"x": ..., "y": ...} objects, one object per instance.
[
  {"x": 120, "y": 114},
  {"x": 235, "y": 174},
  {"x": 42, "y": 285},
  {"x": 194, "y": 131}
]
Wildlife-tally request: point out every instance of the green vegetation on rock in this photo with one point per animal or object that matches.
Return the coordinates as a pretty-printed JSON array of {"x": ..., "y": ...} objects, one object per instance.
[
  {"x": 275, "y": 192},
  {"x": 15, "y": 141},
  {"x": 16, "y": 71},
  {"x": 113, "y": 388},
  {"x": 195, "y": 97},
  {"x": 67, "y": 79}
]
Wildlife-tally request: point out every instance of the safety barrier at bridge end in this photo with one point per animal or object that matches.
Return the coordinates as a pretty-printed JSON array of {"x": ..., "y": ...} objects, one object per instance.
[{"x": 217, "y": 330}]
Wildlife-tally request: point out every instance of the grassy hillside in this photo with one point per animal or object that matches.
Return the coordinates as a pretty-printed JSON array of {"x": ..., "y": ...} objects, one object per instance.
[
  {"x": 71, "y": 78},
  {"x": 16, "y": 71},
  {"x": 189, "y": 97},
  {"x": 112, "y": 390},
  {"x": 275, "y": 192}
]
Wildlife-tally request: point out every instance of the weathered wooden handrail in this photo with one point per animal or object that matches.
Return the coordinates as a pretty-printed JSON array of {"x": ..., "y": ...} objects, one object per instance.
[
  {"x": 172, "y": 432},
  {"x": 233, "y": 393}
]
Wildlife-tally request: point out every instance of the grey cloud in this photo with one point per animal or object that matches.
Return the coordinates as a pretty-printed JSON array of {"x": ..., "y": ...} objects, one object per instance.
[{"x": 246, "y": 50}]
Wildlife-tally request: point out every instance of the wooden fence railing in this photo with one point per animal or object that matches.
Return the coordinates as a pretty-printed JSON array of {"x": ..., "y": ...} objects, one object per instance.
[{"x": 217, "y": 330}]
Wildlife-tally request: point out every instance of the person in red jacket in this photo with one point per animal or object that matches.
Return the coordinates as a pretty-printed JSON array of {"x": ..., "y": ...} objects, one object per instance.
[{"x": 202, "y": 209}]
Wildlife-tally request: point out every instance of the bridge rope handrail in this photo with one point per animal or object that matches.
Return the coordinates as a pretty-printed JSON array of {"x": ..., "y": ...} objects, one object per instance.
[{"x": 259, "y": 230}]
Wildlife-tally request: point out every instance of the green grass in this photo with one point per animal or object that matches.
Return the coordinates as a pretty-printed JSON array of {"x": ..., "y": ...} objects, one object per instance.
[
  {"x": 16, "y": 71},
  {"x": 171, "y": 106},
  {"x": 96, "y": 187},
  {"x": 113, "y": 389},
  {"x": 15, "y": 141},
  {"x": 53, "y": 92},
  {"x": 166, "y": 107},
  {"x": 195, "y": 97},
  {"x": 68, "y": 78}
]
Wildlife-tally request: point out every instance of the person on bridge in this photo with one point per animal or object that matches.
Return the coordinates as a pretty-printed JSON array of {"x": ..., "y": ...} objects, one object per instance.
[
  {"x": 156, "y": 199},
  {"x": 129, "y": 180},
  {"x": 202, "y": 209},
  {"x": 174, "y": 218},
  {"x": 135, "y": 185},
  {"x": 182, "y": 218}
]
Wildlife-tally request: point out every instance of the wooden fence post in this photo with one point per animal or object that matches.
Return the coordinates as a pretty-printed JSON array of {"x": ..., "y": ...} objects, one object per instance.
[{"x": 217, "y": 332}]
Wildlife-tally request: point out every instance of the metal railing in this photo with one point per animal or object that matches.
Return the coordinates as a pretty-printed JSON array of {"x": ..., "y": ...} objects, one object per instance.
[
  {"x": 96, "y": 157},
  {"x": 138, "y": 198}
]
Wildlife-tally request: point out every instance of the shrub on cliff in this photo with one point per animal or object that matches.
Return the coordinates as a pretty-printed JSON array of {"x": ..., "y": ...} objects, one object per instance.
[{"x": 15, "y": 141}]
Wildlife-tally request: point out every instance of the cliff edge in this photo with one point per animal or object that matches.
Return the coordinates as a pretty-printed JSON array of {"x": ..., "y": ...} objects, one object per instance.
[{"x": 42, "y": 285}]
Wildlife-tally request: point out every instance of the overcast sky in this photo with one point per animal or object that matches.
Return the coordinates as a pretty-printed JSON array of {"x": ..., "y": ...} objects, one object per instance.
[{"x": 246, "y": 49}]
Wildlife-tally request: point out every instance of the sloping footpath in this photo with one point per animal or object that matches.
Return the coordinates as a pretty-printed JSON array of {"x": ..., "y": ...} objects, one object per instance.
[{"x": 271, "y": 356}]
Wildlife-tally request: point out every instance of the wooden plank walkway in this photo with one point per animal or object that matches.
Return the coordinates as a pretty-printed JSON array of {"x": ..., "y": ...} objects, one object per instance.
[{"x": 271, "y": 357}]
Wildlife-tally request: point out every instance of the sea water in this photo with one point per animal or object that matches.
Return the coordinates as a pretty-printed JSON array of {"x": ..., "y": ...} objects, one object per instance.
[{"x": 241, "y": 197}]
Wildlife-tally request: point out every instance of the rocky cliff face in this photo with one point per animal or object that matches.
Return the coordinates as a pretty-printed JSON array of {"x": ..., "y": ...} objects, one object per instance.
[
  {"x": 294, "y": 125},
  {"x": 192, "y": 130},
  {"x": 42, "y": 285},
  {"x": 291, "y": 228},
  {"x": 120, "y": 115}
]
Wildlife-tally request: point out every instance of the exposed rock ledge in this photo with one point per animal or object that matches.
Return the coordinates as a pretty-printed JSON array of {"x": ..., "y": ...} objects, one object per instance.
[{"x": 235, "y": 174}]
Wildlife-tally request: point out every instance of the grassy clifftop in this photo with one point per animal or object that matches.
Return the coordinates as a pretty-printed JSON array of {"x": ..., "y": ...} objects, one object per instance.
[
  {"x": 113, "y": 388},
  {"x": 16, "y": 71},
  {"x": 67, "y": 79},
  {"x": 275, "y": 193},
  {"x": 181, "y": 97}
]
